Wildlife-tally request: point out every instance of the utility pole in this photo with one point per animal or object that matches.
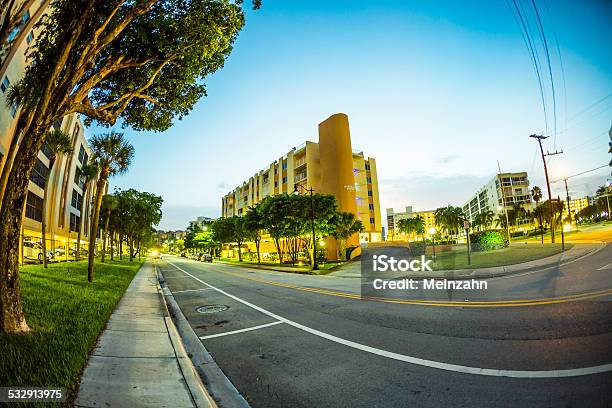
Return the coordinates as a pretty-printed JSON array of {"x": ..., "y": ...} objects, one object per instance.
[
  {"x": 539, "y": 138},
  {"x": 569, "y": 214}
]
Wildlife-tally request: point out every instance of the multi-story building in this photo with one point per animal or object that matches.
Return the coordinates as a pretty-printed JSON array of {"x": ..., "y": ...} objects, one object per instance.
[
  {"x": 504, "y": 189},
  {"x": 575, "y": 206},
  {"x": 65, "y": 188},
  {"x": 393, "y": 218},
  {"x": 330, "y": 166},
  {"x": 201, "y": 222}
]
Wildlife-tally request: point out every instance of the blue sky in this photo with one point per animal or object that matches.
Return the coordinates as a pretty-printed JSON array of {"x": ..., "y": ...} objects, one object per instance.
[{"x": 436, "y": 91}]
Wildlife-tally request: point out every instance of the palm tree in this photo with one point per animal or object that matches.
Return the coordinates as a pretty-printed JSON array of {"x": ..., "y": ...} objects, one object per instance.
[
  {"x": 406, "y": 225},
  {"x": 112, "y": 154},
  {"x": 57, "y": 143},
  {"x": 419, "y": 226},
  {"x": 346, "y": 225},
  {"x": 87, "y": 174},
  {"x": 536, "y": 194}
]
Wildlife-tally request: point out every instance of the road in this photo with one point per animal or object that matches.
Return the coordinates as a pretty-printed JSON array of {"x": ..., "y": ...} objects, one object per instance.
[{"x": 291, "y": 340}]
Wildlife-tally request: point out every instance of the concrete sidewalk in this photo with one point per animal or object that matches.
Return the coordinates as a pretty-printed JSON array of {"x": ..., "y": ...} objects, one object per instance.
[{"x": 139, "y": 359}]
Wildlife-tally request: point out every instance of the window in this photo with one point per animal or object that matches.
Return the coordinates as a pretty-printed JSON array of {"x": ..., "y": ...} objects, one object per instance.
[
  {"x": 75, "y": 223},
  {"x": 14, "y": 108},
  {"x": 284, "y": 165},
  {"x": 371, "y": 207},
  {"x": 77, "y": 199},
  {"x": 285, "y": 180},
  {"x": 5, "y": 84},
  {"x": 39, "y": 174},
  {"x": 78, "y": 179},
  {"x": 46, "y": 151},
  {"x": 30, "y": 38},
  {"x": 34, "y": 206},
  {"x": 367, "y": 166},
  {"x": 276, "y": 184},
  {"x": 83, "y": 155},
  {"x": 369, "y": 193},
  {"x": 371, "y": 220},
  {"x": 369, "y": 180}
]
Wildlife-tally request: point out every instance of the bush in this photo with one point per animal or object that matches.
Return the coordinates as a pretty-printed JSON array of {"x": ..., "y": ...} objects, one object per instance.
[
  {"x": 417, "y": 248},
  {"x": 488, "y": 240}
]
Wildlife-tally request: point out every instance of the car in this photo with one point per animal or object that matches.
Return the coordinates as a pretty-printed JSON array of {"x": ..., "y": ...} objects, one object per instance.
[
  {"x": 183, "y": 255},
  {"x": 206, "y": 258},
  {"x": 33, "y": 250}
]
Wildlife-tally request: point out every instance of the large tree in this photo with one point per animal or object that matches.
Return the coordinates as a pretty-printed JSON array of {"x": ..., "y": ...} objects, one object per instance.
[
  {"x": 345, "y": 226},
  {"x": 141, "y": 62}
]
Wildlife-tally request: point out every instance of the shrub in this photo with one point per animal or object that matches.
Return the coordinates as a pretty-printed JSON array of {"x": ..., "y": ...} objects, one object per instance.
[{"x": 488, "y": 240}]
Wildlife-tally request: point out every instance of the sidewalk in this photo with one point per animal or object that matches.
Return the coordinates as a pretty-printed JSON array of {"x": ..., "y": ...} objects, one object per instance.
[{"x": 139, "y": 359}]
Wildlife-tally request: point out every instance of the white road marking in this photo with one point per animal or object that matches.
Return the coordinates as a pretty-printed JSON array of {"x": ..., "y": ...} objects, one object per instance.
[
  {"x": 261, "y": 326},
  {"x": 189, "y": 290},
  {"x": 608, "y": 266},
  {"x": 574, "y": 372}
]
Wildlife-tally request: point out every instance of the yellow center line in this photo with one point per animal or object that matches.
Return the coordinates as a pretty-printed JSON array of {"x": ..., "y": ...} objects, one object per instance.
[{"x": 439, "y": 303}]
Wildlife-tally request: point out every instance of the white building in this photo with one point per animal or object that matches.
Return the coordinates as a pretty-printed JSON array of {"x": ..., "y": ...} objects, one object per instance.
[{"x": 515, "y": 188}]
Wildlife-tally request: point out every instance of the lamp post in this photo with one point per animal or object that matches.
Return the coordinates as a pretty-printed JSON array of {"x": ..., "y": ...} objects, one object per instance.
[
  {"x": 432, "y": 231},
  {"x": 315, "y": 264}
]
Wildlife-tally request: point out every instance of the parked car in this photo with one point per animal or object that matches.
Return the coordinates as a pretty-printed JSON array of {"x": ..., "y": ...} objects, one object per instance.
[
  {"x": 206, "y": 258},
  {"x": 183, "y": 255},
  {"x": 59, "y": 252},
  {"x": 73, "y": 251},
  {"x": 33, "y": 250}
]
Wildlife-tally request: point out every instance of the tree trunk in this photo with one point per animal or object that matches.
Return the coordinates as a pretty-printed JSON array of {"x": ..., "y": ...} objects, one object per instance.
[
  {"x": 43, "y": 223},
  {"x": 94, "y": 222},
  {"x": 12, "y": 319},
  {"x": 257, "y": 242},
  {"x": 112, "y": 249},
  {"x": 106, "y": 236},
  {"x": 120, "y": 246},
  {"x": 239, "y": 251},
  {"x": 82, "y": 220}
]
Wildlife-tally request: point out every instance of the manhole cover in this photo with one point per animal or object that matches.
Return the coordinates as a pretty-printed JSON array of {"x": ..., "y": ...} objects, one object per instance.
[{"x": 211, "y": 309}]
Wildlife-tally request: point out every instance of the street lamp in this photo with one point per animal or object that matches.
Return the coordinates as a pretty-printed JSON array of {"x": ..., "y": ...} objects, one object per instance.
[
  {"x": 432, "y": 231},
  {"x": 315, "y": 264}
]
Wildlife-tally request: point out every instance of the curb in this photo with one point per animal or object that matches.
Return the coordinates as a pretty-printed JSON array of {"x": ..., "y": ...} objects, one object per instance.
[
  {"x": 199, "y": 395},
  {"x": 214, "y": 381}
]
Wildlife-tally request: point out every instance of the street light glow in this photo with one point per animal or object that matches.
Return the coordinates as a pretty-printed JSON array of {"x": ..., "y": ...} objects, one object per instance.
[{"x": 432, "y": 230}]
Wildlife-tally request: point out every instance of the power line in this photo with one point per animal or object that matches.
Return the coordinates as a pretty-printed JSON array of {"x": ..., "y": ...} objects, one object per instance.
[
  {"x": 580, "y": 174},
  {"x": 534, "y": 59},
  {"x": 550, "y": 74}
]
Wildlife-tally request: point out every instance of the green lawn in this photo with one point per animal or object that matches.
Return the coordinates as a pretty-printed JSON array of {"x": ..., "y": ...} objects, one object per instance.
[
  {"x": 66, "y": 315},
  {"x": 457, "y": 259}
]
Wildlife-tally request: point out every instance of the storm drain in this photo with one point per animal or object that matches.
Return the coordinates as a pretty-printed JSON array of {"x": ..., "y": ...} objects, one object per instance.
[{"x": 208, "y": 309}]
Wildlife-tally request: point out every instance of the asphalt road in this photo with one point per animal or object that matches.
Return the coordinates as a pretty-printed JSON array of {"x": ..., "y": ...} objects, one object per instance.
[{"x": 321, "y": 346}]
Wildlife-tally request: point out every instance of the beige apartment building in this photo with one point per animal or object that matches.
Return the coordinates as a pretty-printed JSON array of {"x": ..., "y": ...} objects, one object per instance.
[
  {"x": 329, "y": 166},
  {"x": 65, "y": 187},
  {"x": 393, "y": 218}
]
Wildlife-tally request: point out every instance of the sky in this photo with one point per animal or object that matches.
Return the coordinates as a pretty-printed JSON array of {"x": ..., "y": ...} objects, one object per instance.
[{"x": 436, "y": 91}]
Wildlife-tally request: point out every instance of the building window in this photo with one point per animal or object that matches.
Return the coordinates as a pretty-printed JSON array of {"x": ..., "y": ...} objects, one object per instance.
[
  {"x": 77, "y": 199},
  {"x": 367, "y": 166},
  {"x": 14, "y": 108},
  {"x": 34, "y": 207},
  {"x": 371, "y": 206},
  {"x": 285, "y": 180},
  {"x": 78, "y": 178},
  {"x": 369, "y": 193},
  {"x": 284, "y": 165},
  {"x": 5, "y": 84},
  {"x": 39, "y": 174},
  {"x": 30, "y": 38},
  {"x": 75, "y": 222},
  {"x": 83, "y": 155},
  {"x": 369, "y": 180},
  {"x": 371, "y": 220},
  {"x": 276, "y": 184},
  {"x": 46, "y": 151}
]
